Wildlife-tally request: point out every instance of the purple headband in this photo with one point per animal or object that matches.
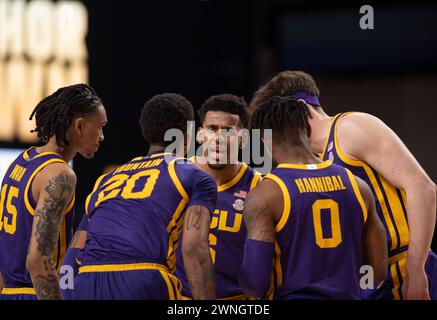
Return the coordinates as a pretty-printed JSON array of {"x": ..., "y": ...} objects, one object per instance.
[{"x": 308, "y": 98}]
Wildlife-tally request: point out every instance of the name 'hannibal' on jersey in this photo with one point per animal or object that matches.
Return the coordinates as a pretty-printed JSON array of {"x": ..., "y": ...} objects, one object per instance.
[
  {"x": 17, "y": 208},
  {"x": 318, "y": 253}
]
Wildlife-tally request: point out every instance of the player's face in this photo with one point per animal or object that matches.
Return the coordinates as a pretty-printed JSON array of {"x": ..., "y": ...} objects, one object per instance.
[
  {"x": 92, "y": 132},
  {"x": 219, "y": 138}
]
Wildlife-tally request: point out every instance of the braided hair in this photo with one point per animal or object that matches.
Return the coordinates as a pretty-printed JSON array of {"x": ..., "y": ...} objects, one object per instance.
[
  {"x": 54, "y": 114},
  {"x": 287, "y": 117}
]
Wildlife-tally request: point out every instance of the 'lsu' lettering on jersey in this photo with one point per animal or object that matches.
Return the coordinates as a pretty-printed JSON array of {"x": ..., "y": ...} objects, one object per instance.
[
  {"x": 17, "y": 208},
  {"x": 318, "y": 253},
  {"x": 227, "y": 235}
]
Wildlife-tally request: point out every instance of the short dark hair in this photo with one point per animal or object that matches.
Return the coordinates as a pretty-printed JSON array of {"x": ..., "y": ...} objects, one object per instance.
[
  {"x": 164, "y": 112},
  {"x": 287, "y": 117},
  {"x": 226, "y": 103},
  {"x": 284, "y": 84},
  {"x": 54, "y": 114}
]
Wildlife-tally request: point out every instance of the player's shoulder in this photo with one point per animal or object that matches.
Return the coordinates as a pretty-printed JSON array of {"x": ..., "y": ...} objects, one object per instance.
[
  {"x": 60, "y": 172},
  {"x": 358, "y": 120}
]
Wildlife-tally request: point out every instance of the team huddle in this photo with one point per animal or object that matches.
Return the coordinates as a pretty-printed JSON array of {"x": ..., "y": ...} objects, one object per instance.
[{"x": 345, "y": 192}]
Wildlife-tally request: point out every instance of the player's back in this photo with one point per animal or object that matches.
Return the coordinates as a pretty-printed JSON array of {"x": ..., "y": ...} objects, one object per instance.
[
  {"x": 17, "y": 208},
  {"x": 319, "y": 236},
  {"x": 136, "y": 212}
]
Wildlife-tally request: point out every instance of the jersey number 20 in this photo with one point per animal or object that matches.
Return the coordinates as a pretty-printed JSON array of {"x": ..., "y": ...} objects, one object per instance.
[{"x": 114, "y": 186}]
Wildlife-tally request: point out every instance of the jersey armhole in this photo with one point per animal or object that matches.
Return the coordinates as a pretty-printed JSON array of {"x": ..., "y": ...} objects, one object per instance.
[
  {"x": 287, "y": 202},
  {"x": 96, "y": 185},
  {"x": 358, "y": 194},
  {"x": 29, "y": 183},
  {"x": 175, "y": 179}
]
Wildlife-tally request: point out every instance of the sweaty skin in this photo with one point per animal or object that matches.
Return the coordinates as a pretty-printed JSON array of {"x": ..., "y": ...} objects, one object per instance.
[{"x": 357, "y": 135}]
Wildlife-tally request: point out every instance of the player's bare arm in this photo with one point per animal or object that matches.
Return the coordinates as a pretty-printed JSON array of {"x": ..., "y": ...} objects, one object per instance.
[
  {"x": 375, "y": 251},
  {"x": 195, "y": 251},
  {"x": 79, "y": 239},
  {"x": 364, "y": 137},
  {"x": 259, "y": 216},
  {"x": 57, "y": 185}
]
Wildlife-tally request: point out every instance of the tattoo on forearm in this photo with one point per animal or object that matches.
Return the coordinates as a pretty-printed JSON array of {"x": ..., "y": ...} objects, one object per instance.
[
  {"x": 201, "y": 277},
  {"x": 47, "y": 287},
  {"x": 47, "y": 223},
  {"x": 259, "y": 222},
  {"x": 192, "y": 219},
  {"x": 59, "y": 190}
]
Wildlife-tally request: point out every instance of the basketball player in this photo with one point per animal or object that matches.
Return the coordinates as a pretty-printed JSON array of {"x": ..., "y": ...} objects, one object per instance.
[
  {"x": 404, "y": 194},
  {"x": 37, "y": 193},
  {"x": 219, "y": 115},
  {"x": 137, "y": 212},
  {"x": 315, "y": 218}
]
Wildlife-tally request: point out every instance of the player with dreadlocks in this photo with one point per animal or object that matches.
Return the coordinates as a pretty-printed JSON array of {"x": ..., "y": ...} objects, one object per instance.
[
  {"x": 315, "y": 219},
  {"x": 38, "y": 189}
]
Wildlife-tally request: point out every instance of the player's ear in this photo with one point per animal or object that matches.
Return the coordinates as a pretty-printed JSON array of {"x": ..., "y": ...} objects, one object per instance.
[
  {"x": 200, "y": 136},
  {"x": 79, "y": 124},
  {"x": 308, "y": 130}
]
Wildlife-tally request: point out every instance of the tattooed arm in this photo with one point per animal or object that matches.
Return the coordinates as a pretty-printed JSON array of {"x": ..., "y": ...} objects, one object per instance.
[
  {"x": 259, "y": 217},
  {"x": 54, "y": 188},
  {"x": 195, "y": 250}
]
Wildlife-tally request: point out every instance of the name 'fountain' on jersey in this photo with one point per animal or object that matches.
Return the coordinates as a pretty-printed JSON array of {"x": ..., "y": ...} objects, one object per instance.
[
  {"x": 136, "y": 214},
  {"x": 17, "y": 208},
  {"x": 318, "y": 253}
]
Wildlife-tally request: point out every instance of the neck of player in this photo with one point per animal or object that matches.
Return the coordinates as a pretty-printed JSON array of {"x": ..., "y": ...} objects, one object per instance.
[
  {"x": 67, "y": 153},
  {"x": 320, "y": 124},
  {"x": 295, "y": 154},
  {"x": 155, "y": 149},
  {"x": 222, "y": 175}
]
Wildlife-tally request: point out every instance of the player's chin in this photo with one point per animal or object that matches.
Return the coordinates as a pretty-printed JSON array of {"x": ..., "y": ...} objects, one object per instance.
[{"x": 88, "y": 154}]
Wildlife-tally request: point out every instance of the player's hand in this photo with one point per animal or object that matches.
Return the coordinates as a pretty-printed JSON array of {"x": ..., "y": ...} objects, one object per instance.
[{"x": 415, "y": 286}]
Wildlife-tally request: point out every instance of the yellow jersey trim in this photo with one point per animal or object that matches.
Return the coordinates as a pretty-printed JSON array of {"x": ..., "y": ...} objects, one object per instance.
[
  {"x": 26, "y": 153},
  {"x": 10, "y": 291},
  {"x": 310, "y": 166},
  {"x": 96, "y": 185},
  {"x": 234, "y": 180},
  {"x": 27, "y": 157},
  {"x": 287, "y": 202},
  {"x": 346, "y": 159},
  {"x": 257, "y": 178},
  {"x": 374, "y": 182},
  {"x": 173, "y": 235},
  {"x": 325, "y": 145},
  {"x": 176, "y": 181},
  {"x": 29, "y": 182},
  {"x": 123, "y": 267},
  {"x": 358, "y": 194},
  {"x": 159, "y": 154}
]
